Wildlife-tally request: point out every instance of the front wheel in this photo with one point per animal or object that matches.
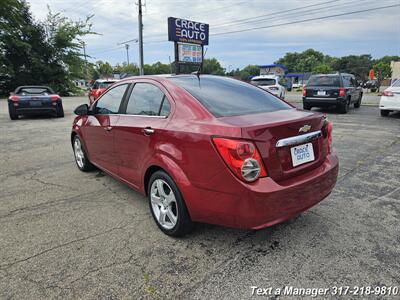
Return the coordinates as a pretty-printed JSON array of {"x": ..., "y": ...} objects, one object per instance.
[
  {"x": 167, "y": 205},
  {"x": 384, "y": 113},
  {"x": 81, "y": 158}
]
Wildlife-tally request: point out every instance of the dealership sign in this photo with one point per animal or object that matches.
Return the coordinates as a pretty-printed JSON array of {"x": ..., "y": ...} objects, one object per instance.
[
  {"x": 185, "y": 31},
  {"x": 190, "y": 53}
]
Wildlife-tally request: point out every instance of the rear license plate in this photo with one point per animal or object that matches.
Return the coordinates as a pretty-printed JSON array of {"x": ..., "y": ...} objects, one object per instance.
[
  {"x": 35, "y": 103},
  {"x": 321, "y": 93},
  {"x": 302, "y": 154}
]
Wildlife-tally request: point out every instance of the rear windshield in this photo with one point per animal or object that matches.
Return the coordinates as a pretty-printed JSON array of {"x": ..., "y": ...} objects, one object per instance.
[
  {"x": 102, "y": 85},
  {"x": 268, "y": 81},
  {"x": 396, "y": 83},
  {"x": 324, "y": 80},
  {"x": 224, "y": 96},
  {"x": 34, "y": 91}
]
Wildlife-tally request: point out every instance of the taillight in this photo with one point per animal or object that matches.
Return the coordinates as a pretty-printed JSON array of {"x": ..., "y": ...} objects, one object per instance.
[
  {"x": 388, "y": 94},
  {"x": 54, "y": 98},
  {"x": 242, "y": 158},
  {"x": 14, "y": 98},
  {"x": 341, "y": 92},
  {"x": 304, "y": 91},
  {"x": 327, "y": 133}
]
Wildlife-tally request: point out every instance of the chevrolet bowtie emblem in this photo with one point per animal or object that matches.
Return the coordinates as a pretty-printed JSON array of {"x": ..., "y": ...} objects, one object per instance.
[{"x": 304, "y": 129}]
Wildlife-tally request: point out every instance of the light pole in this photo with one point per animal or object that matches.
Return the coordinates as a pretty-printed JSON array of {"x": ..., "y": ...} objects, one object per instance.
[
  {"x": 140, "y": 24},
  {"x": 127, "y": 53}
]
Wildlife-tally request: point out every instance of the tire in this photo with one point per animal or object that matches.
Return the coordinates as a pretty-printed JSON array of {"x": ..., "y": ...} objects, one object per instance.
[
  {"x": 384, "y": 113},
  {"x": 60, "y": 111},
  {"x": 80, "y": 155},
  {"x": 164, "y": 205},
  {"x": 358, "y": 103},
  {"x": 344, "y": 108},
  {"x": 306, "y": 107},
  {"x": 12, "y": 112}
]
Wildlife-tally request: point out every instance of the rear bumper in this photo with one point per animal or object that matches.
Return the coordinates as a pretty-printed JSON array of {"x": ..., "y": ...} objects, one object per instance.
[
  {"x": 322, "y": 102},
  {"x": 265, "y": 203},
  {"x": 389, "y": 103},
  {"x": 24, "y": 109}
]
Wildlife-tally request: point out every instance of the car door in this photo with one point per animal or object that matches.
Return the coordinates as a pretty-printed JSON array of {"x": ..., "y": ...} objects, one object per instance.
[
  {"x": 351, "y": 88},
  {"x": 98, "y": 131},
  {"x": 357, "y": 89},
  {"x": 140, "y": 128}
]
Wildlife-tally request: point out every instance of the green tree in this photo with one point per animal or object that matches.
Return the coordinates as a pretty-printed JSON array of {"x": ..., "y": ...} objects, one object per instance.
[
  {"x": 47, "y": 53},
  {"x": 322, "y": 68},
  {"x": 382, "y": 70},
  {"x": 249, "y": 71},
  {"x": 302, "y": 62},
  {"x": 101, "y": 69},
  {"x": 212, "y": 66},
  {"x": 359, "y": 65}
]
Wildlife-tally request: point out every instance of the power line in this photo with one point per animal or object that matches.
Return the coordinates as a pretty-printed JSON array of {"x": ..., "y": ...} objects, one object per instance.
[
  {"x": 306, "y": 20},
  {"x": 275, "y": 13}
]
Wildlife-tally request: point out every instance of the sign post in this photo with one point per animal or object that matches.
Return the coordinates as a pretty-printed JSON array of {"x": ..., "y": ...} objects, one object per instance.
[{"x": 189, "y": 37}]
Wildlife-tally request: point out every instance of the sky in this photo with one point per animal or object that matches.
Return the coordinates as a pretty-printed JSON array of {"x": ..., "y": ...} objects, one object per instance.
[{"x": 375, "y": 32}]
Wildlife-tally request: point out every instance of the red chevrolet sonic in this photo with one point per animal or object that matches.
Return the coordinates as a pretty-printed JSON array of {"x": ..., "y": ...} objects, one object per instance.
[{"x": 207, "y": 149}]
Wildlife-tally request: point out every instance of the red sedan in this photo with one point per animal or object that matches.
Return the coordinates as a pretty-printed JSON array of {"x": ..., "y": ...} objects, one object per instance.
[
  {"x": 98, "y": 88},
  {"x": 207, "y": 149}
]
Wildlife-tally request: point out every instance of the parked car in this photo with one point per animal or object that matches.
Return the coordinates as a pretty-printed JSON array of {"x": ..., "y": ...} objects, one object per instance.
[
  {"x": 28, "y": 100},
  {"x": 372, "y": 85},
  {"x": 99, "y": 86},
  {"x": 324, "y": 90},
  {"x": 210, "y": 149},
  {"x": 269, "y": 83},
  {"x": 390, "y": 99}
]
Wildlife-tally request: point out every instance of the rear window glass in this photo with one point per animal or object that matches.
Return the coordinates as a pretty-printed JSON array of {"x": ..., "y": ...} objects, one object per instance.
[
  {"x": 324, "y": 81},
  {"x": 396, "y": 83},
  {"x": 268, "y": 81},
  {"x": 224, "y": 96},
  {"x": 34, "y": 91}
]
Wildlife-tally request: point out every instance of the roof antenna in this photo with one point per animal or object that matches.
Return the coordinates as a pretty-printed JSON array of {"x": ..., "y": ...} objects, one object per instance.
[{"x": 201, "y": 65}]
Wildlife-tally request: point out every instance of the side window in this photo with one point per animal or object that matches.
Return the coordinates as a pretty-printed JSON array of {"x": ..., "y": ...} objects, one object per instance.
[
  {"x": 346, "y": 81},
  {"x": 147, "y": 99},
  {"x": 110, "y": 101}
]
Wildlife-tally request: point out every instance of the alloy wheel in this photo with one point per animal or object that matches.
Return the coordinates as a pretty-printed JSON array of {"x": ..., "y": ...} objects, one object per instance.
[
  {"x": 163, "y": 204},
  {"x": 79, "y": 155}
]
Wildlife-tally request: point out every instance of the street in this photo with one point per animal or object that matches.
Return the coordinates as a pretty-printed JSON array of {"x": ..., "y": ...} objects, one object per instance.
[{"x": 68, "y": 234}]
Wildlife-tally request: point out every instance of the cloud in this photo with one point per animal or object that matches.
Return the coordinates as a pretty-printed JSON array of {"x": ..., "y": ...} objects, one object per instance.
[{"x": 375, "y": 32}]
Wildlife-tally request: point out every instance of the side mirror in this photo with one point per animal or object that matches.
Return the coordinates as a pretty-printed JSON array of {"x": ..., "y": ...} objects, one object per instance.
[{"x": 82, "y": 110}]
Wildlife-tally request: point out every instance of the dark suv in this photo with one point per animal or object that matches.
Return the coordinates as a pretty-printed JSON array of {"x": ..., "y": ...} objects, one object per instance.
[{"x": 338, "y": 90}]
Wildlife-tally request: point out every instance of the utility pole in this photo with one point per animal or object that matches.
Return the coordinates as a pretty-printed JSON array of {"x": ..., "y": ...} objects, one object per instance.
[
  {"x": 140, "y": 24},
  {"x": 127, "y": 53}
]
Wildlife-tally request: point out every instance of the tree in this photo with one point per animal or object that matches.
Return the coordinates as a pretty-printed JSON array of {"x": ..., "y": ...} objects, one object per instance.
[
  {"x": 322, "y": 68},
  {"x": 359, "y": 65},
  {"x": 382, "y": 70},
  {"x": 249, "y": 71},
  {"x": 47, "y": 53},
  {"x": 212, "y": 66},
  {"x": 302, "y": 62}
]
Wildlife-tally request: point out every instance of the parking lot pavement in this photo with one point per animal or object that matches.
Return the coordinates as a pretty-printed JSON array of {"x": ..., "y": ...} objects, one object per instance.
[
  {"x": 369, "y": 99},
  {"x": 64, "y": 233}
]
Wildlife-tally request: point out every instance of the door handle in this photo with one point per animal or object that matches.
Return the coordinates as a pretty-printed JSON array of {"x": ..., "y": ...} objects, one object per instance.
[
  {"x": 108, "y": 128},
  {"x": 148, "y": 131}
]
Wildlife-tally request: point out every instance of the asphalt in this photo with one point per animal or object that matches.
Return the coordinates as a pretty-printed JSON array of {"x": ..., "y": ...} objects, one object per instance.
[{"x": 67, "y": 234}]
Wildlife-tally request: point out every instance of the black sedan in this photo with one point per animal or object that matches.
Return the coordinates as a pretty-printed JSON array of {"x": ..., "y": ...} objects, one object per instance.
[{"x": 27, "y": 100}]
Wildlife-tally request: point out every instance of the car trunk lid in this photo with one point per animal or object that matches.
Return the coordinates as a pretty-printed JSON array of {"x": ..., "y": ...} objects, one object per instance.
[
  {"x": 322, "y": 92},
  {"x": 266, "y": 129}
]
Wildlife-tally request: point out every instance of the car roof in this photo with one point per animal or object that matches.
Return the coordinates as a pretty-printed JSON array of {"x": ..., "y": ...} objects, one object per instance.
[
  {"x": 265, "y": 77},
  {"x": 107, "y": 80}
]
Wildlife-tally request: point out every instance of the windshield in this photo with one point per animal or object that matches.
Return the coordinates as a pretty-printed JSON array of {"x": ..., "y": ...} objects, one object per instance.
[
  {"x": 224, "y": 96},
  {"x": 264, "y": 81},
  {"x": 324, "y": 80}
]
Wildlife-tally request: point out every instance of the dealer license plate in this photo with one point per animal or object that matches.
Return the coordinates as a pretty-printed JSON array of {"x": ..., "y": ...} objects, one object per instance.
[{"x": 302, "y": 154}]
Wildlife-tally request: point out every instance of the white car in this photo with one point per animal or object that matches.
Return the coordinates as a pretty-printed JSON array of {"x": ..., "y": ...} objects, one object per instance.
[
  {"x": 269, "y": 83},
  {"x": 390, "y": 99}
]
